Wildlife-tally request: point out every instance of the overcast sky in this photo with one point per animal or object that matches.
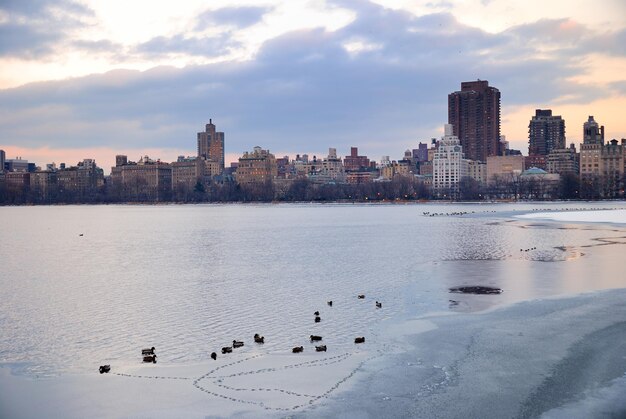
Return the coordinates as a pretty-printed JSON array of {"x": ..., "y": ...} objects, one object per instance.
[{"x": 91, "y": 79}]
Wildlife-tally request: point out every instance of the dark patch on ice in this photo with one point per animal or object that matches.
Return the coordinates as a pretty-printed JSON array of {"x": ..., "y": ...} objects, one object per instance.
[{"x": 476, "y": 289}]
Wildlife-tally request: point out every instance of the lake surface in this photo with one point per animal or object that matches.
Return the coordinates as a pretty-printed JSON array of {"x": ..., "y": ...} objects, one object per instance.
[{"x": 82, "y": 286}]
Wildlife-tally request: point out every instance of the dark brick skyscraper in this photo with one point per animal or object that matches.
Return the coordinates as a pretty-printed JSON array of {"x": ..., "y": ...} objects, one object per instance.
[
  {"x": 474, "y": 113},
  {"x": 546, "y": 132}
]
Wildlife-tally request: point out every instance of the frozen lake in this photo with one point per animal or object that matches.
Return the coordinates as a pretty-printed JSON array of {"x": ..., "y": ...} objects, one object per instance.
[{"x": 82, "y": 286}]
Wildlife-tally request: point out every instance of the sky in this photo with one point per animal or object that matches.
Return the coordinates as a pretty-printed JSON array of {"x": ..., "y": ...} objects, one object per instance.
[{"x": 92, "y": 79}]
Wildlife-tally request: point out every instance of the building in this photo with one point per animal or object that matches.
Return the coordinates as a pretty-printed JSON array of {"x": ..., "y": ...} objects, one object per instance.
[
  {"x": 211, "y": 146},
  {"x": 359, "y": 177},
  {"x": 146, "y": 180},
  {"x": 537, "y": 160},
  {"x": 18, "y": 165},
  {"x": 563, "y": 160},
  {"x": 592, "y": 132},
  {"x": 354, "y": 162},
  {"x": 591, "y": 149},
  {"x": 186, "y": 173},
  {"x": 17, "y": 182},
  {"x": 612, "y": 168},
  {"x": 536, "y": 183},
  {"x": 449, "y": 166},
  {"x": 258, "y": 166},
  {"x": 79, "y": 182},
  {"x": 504, "y": 166},
  {"x": 420, "y": 154},
  {"x": 474, "y": 113},
  {"x": 283, "y": 168},
  {"x": 426, "y": 168},
  {"x": 477, "y": 170},
  {"x": 3, "y": 158},
  {"x": 43, "y": 184},
  {"x": 546, "y": 132},
  {"x": 332, "y": 170}
]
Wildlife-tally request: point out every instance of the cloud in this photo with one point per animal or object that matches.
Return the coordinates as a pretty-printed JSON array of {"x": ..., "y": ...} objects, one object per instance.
[
  {"x": 239, "y": 17},
  {"x": 34, "y": 28},
  {"x": 304, "y": 91},
  {"x": 213, "y": 46}
]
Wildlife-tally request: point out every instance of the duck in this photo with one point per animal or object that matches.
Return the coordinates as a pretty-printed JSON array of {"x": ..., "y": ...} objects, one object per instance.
[{"x": 297, "y": 349}]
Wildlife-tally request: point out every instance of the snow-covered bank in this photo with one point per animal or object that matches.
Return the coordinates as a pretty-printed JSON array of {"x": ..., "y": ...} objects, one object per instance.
[
  {"x": 613, "y": 216},
  {"x": 563, "y": 357}
]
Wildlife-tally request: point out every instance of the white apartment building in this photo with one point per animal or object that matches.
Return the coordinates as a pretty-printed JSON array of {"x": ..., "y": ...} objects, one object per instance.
[{"x": 449, "y": 166}]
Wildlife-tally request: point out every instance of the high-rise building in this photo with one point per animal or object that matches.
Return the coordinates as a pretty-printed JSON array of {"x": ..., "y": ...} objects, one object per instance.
[
  {"x": 546, "y": 132},
  {"x": 591, "y": 148},
  {"x": 474, "y": 113},
  {"x": 211, "y": 145},
  {"x": 592, "y": 132},
  {"x": 449, "y": 166},
  {"x": 3, "y": 157}
]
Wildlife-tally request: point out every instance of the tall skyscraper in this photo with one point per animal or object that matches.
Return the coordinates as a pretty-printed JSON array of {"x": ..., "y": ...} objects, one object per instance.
[
  {"x": 474, "y": 113},
  {"x": 211, "y": 145},
  {"x": 546, "y": 132},
  {"x": 3, "y": 157}
]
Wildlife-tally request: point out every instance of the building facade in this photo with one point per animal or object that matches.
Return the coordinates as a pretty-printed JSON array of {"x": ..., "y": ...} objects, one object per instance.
[
  {"x": 449, "y": 165},
  {"x": 504, "y": 166},
  {"x": 186, "y": 173},
  {"x": 354, "y": 162},
  {"x": 546, "y": 132},
  {"x": 146, "y": 180},
  {"x": 474, "y": 113},
  {"x": 257, "y": 166},
  {"x": 591, "y": 149},
  {"x": 563, "y": 160},
  {"x": 211, "y": 145}
]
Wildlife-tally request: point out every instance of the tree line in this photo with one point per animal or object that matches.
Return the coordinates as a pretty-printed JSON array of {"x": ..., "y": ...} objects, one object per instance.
[{"x": 404, "y": 188}]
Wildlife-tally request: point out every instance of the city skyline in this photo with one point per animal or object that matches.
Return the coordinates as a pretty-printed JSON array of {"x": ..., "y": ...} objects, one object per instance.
[{"x": 82, "y": 80}]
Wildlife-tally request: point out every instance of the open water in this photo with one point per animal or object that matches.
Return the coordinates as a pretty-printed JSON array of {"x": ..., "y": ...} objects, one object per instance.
[{"x": 81, "y": 286}]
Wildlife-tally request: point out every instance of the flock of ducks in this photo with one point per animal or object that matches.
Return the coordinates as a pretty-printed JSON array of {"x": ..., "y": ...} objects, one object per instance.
[
  {"x": 150, "y": 356},
  {"x": 297, "y": 349}
]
